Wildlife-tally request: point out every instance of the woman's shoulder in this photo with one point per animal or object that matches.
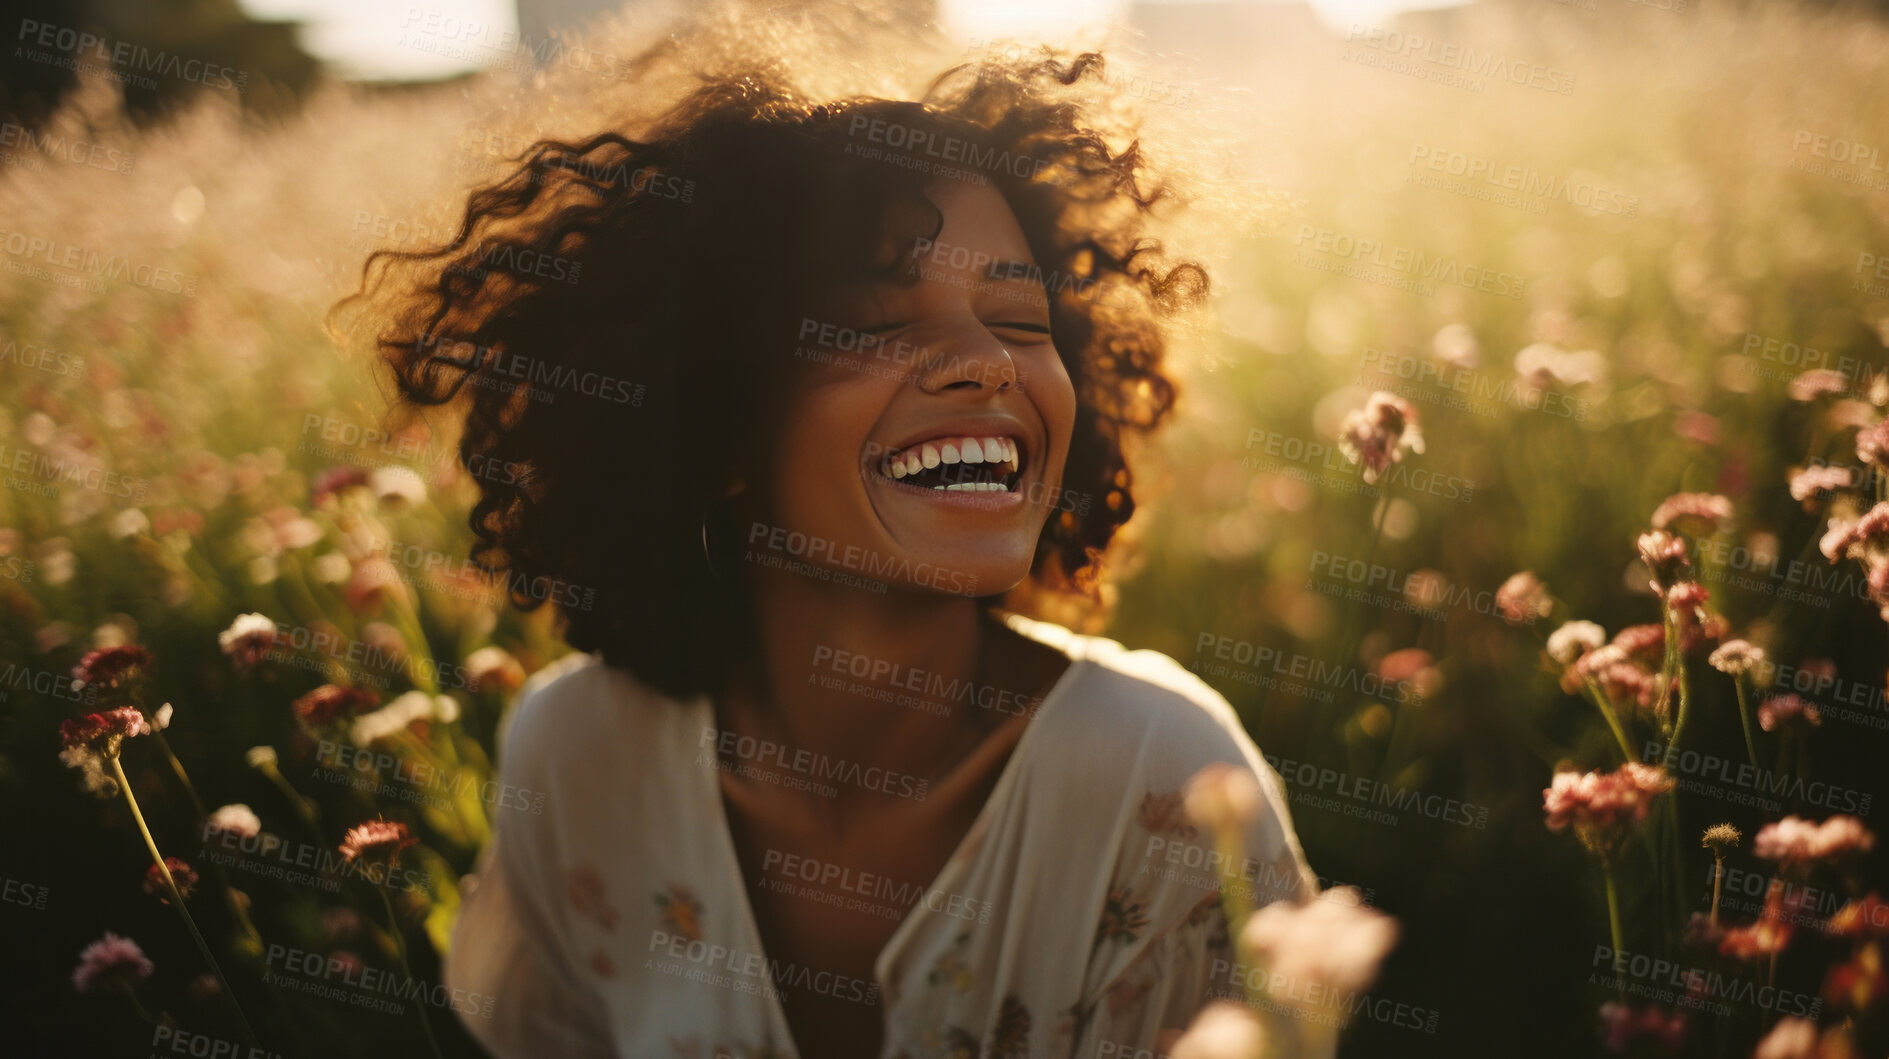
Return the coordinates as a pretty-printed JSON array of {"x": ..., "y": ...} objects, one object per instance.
[
  {"x": 579, "y": 706},
  {"x": 1136, "y": 709}
]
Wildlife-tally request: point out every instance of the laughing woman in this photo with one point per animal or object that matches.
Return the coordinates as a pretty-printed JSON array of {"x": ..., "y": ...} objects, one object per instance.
[{"x": 799, "y": 409}]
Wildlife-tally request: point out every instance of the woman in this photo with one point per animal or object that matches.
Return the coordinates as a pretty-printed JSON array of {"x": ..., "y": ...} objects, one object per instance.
[{"x": 792, "y": 410}]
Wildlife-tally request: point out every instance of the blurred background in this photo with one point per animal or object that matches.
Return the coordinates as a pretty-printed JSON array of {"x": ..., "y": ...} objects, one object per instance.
[{"x": 1590, "y": 243}]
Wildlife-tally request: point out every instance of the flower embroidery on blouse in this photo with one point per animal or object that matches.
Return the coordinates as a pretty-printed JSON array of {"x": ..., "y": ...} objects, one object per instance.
[
  {"x": 601, "y": 963},
  {"x": 951, "y": 968},
  {"x": 691, "y": 1048},
  {"x": 586, "y": 891},
  {"x": 1011, "y": 1038},
  {"x": 1123, "y": 916},
  {"x": 1166, "y": 814},
  {"x": 681, "y": 912}
]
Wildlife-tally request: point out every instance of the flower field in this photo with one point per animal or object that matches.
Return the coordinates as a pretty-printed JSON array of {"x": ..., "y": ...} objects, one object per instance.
[{"x": 1528, "y": 497}]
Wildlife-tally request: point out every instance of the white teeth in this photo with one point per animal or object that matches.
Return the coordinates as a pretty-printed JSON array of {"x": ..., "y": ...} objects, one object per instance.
[{"x": 997, "y": 451}]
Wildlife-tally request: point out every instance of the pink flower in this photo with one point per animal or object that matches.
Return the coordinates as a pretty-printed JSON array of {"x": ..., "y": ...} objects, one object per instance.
[
  {"x": 103, "y": 732},
  {"x": 111, "y": 965},
  {"x": 1687, "y": 595},
  {"x": 331, "y": 702},
  {"x": 1642, "y": 643},
  {"x": 1736, "y": 657},
  {"x": 1222, "y": 798},
  {"x": 247, "y": 639},
  {"x": 1698, "y": 513},
  {"x": 375, "y": 580},
  {"x": 1627, "y": 1027},
  {"x": 1850, "y": 537},
  {"x": 1816, "y": 382},
  {"x": 1787, "y": 709},
  {"x": 237, "y": 819},
  {"x": 377, "y": 842},
  {"x": 1872, "y": 443},
  {"x": 1338, "y": 943},
  {"x": 1665, "y": 556},
  {"x": 1222, "y": 1030},
  {"x": 335, "y": 480},
  {"x": 181, "y": 874},
  {"x": 494, "y": 667},
  {"x": 1602, "y": 806},
  {"x": 110, "y": 667},
  {"x": 1795, "y": 840},
  {"x": 1791, "y": 1038},
  {"x": 1756, "y": 941},
  {"x": 1523, "y": 598},
  {"x": 1378, "y": 434},
  {"x": 1815, "y": 483},
  {"x": 90, "y": 743},
  {"x": 1574, "y": 639}
]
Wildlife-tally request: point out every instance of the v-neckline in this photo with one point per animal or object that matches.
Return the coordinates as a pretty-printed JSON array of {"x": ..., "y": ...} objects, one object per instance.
[{"x": 1071, "y": 648}]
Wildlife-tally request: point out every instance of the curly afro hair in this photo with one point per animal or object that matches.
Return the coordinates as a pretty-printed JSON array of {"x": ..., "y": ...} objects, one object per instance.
[{"x": 615, "y": 265}]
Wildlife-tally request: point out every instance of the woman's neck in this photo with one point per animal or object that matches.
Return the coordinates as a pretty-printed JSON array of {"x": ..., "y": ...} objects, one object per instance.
[{"x": 858, "y": 676}]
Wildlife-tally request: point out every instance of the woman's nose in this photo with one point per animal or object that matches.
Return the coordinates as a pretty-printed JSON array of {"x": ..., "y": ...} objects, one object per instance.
[{"x": 969, "y": 362}]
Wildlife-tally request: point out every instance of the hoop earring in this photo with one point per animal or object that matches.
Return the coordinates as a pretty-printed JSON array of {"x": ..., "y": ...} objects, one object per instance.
[{"x": 708, "y": 556}]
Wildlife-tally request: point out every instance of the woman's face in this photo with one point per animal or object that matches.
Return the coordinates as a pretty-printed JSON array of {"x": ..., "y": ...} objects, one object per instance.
[{"x": 926, "y": 433}]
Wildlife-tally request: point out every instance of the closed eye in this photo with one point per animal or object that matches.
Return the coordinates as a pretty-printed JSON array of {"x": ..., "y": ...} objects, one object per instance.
[{"x": 1021, "y": 325}]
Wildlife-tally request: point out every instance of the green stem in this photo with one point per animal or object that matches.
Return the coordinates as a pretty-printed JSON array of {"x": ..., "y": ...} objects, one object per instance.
[
  {"x": 1744, "y": 721},
  {"x": 400, "y": 947},
  {"x": 1620, "y": 734},
  {"x": 177, "y": 900},
  {"x": 1718, "y": 884},
  {"x": 1613, "y": 919}
]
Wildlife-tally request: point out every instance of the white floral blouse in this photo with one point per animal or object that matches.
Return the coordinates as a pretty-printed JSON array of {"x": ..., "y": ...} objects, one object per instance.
[{"x": 1079, "y": 916}]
